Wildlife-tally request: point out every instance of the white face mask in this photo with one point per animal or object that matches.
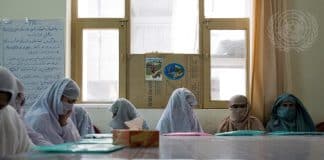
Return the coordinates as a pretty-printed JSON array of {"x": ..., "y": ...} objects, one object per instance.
[
  {"x": 20, "y": 102},
  {"x": 67, "y": 107},
  {"x": 237, "y": 113}
]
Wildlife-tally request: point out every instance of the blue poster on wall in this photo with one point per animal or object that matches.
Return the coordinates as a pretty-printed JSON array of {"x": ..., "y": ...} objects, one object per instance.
[{"x": 174, "y": 71}]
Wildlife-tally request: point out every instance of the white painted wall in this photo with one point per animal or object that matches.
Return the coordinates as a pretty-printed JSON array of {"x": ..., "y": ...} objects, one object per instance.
[{"x": 307, "y": 67}]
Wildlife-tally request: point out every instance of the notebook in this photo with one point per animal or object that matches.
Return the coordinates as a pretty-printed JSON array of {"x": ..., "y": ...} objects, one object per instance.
[
  {"x": 96, "y": 141},
  {"x": 241, "y": 133},
  {"x": 79, "y": 148},
  {"x": 98, "y": 136},
  {"x": 283, "y": 133},
  {"x": 187, "y": 134}
]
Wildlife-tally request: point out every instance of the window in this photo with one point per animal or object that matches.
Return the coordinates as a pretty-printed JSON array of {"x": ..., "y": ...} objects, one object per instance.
[
  {"x": 164, "y": 26},
  {"x": 112, "y": 38},
  {"x": 100, "y": 64},
  {"x": 227, "y": 8},
  {"x": 226, "y": 44},
  {"x": 99, "y": 35},
  {"x": 101, "y": 9},
  {"x": 227, "y": 63}
]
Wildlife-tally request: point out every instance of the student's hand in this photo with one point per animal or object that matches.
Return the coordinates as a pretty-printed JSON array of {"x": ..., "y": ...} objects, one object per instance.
[{"x": 63, "y": 118}]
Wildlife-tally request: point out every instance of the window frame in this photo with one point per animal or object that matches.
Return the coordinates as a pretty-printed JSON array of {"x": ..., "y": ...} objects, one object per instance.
[
  {"x": 123, "y": 24},
  {"x": 222, "y": 24},
  {"x": 78, "y": 24}
]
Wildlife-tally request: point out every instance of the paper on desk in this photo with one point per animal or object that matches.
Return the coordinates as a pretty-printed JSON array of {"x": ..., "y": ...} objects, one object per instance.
[
  {"x": 79, "y": 148},
  {"x": 135, "y": 124}
]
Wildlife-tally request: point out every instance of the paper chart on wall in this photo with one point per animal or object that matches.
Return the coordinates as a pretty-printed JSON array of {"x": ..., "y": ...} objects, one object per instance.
[{"x": 34, "y": 51}]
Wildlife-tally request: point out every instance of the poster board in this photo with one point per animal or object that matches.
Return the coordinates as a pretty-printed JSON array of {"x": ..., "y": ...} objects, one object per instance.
[
  {"x": 34, "y": 51},
  {"x": 155, "y": 93}
]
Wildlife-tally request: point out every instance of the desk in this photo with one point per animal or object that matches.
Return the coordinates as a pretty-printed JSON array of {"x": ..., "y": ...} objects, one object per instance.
[{"x": 220, "y": 147}]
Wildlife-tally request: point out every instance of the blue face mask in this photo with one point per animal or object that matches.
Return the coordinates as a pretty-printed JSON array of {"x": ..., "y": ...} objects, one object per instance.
[{"x": 287, "y": 113}]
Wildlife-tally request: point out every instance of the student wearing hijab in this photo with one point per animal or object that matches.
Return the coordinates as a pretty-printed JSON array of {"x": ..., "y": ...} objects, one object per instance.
[
  {"x": 13, "y": 135},
  {"x": 50, "y": 114},
  {"x": 82, "y": 121},
  {"x": 123, "y": 111},
  {"x": 289, "y": 114},
  {"x": 239, "y": 118},
  {"x": 18, "y": 103},
  {"x": 19, "y": 98},
  {"x": 178, "y": 115}
]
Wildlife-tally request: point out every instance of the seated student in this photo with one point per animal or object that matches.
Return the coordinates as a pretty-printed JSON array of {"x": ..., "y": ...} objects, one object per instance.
[
  {"x": 13, "y": 134},
  {"x": 50, "y": 114},
  {"x": 82, "y": 121},
  {"x": 19, "y": 98},
  {"x": 239, "y": 118},
  {"x": 18, "y": 103},
  {"x": 289, "y": 114},
  {"x": 178, "y": 115},
  {"x": 123, "y": 111}
]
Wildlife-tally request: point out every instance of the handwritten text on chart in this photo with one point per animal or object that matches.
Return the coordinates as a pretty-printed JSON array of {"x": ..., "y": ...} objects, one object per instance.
[{"x": 34, "y": 52}]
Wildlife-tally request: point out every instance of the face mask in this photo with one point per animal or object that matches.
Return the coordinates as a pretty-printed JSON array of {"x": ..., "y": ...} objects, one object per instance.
[
  {"x": 288, "y": 113},
  {"x": 19, "y": 105},
  {"x": 67, "y": 107},
  {"x": 237, "y": 113},
  {"x": 191, "y": 100}
]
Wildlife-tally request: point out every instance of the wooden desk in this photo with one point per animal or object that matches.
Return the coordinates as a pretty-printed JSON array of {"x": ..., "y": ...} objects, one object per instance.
[{"x": 252, "y": 148}]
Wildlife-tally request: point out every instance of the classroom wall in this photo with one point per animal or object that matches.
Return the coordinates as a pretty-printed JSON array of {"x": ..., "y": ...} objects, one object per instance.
[
  {"x": 52, "y": 9},
  {"x": 307, "y": 66},
  {"x": 307, "y": 74}
]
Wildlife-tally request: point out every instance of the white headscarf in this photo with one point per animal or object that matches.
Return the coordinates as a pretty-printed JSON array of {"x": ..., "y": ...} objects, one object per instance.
[
  {"x": 82, "y": 121},
  {"x": 178, "y": 115},
  {"x": 124, "y": 111},
  {"x": 34, "y": 136},
  {"x": 13, "y": 135},
  {"x": 16, "y": 102},
  {"x": 44, "y": 114},
  {"x": 8, "y": 83}
]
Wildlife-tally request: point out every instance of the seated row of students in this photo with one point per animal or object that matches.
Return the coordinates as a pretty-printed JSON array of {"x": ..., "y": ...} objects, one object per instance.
[
  {"x": 178, "y": 115},
  {"x": 53, "y": 119},
  {"x": 47, "y": 122},
  {"x": 288, "y": 114}
]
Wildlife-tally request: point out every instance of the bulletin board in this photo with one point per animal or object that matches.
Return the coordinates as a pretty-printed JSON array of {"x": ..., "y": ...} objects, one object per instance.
[
  {"x": 34, "y": 51},
  {"x": 155, "y": 92}
]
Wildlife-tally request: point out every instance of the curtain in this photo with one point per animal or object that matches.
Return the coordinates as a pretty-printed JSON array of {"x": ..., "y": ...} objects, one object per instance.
[{"x": 270, "y": 66}]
